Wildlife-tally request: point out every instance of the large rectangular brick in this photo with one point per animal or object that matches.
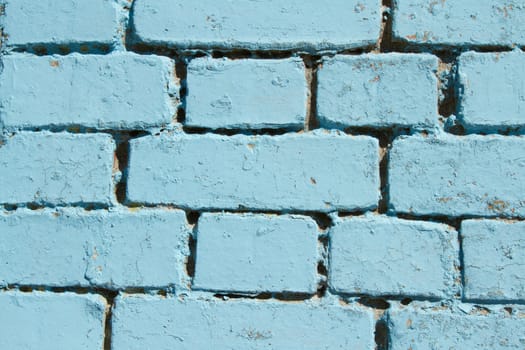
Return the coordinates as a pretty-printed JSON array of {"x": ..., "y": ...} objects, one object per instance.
[
  {"x": 57, "y": 168},
  {"x": 59, "y": 22},
  {"x": 492, "y": 93},
  {"x": 314, "y": 171},
  {"x": 257, "y": 25},
  {"x": 238, "y": 324},
  {"x": 378, "y": 255},
  {"x": 494, "y": 259},
  {"x": 378, "y": 91},
  {"x": 458, "y": 175},
  {"x": 117, "y": 91},
  {"x": 466, "y": 22},
  {"x": 247, "y": 93},
  {"x": 256, "y": 253},
  {"x": 72, "y": 247},
  {"x": 50, "y": 321},
  {"x": 465, "y": 327}
]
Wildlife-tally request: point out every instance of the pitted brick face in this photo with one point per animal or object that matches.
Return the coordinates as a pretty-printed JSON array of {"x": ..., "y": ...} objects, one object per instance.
[{"x": 252, "y": 174}]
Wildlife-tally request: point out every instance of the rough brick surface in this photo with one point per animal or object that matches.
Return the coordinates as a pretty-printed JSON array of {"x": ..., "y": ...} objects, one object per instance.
[
  {"x": 140, "y": 322},
  {"x": 50, "y": 321},
  {"x": 451, "y": 175},
  {"x": 57, "y": 168},
  {"x": 387, "y": 256},
  {"x": 494, "y": 258},
  {"x": 480, "y": 76},
  {"x": 461, "y": 23},
  {"x": 256, "y": 253},
  {"x": 60, "y": 22},
  {"x": 465, "y": 327},
  {"x": 257, "y": 25},
  {"x": 246, "y": 93},
  {"x": 72, "y": 247},
  {"x": 403, "y": 88},
  {"x": 119, "y": 91},
  {"x": 314, "y": 171}
]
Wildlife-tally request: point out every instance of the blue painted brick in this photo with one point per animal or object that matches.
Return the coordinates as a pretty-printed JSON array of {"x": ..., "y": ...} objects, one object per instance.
[
  {"x": 50, "y": 321},
  {"x": 73, "y": 247},
  {"x": 256, "y": 253},
  {"x": 378, "y": 91},
  {"x": 118, "y": 91},
  {"x": 60, "y": 22},
  {"x": 238, "y": 324},
  {"x": 378, "y": 255},
  {"x": 257, "y": 25},
  {"x": 492, "y": 94},
  {"x": 494, "y": 259},
  {"x": 435, "y": 326},
  {"x": 57, "y": 169},
  {"x": 246, "y": 93},
  {"x": 466, "y": 22},
  {"x": 458, "y": 175},
  {"x": 314, "y": 171}
]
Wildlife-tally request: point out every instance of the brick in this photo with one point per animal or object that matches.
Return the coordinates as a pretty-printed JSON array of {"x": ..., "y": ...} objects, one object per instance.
[
  {"x": 466, "y": 327},
  {"x": 59, "y": 22},
  {"x": 458, "y": 175},
  {"x": 378, "y": 91},
  {"x": 49, "y": 321},
  {"x": 256, "y": 253},
  {"x": 468, "y": 22},
  {"x": 494, "y": 260},
  {"x": 247, "y": 93},
  {"x": 238, "y": 324},
  {"x": 73, "y": 247},
  {"x": 492, "y": 94},
  {"x": 377, "y": 255},
  {"x": 315, "y": 171},
  {"x": 268, "y": 25},
  {"x": 117, "y": 91},
  {"x": 57, "y": 168}
]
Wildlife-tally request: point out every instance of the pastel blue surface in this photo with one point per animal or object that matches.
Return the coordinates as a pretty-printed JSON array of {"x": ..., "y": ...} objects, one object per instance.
[
  {"x": 321, "y": 171},
  {"x": 436, "y": 326},
  {"x": 57, "y": 168},
  {"x": 259, "y": 25},
  {"x": 378, "y": 90},
  {"x": 247, "y": 93},
  {"x": 57, "y": 22},
  {"x": 481, "y": 75},
  {"x": 494, "y": 258},
  {"x": 465, "y": 22},
  {"x": 378, "y": 255},
  {"x": 256, "y": 253},
  {"x": 50, "y": 321},
  {"x": 458, "y": 175},
  {"x": 151, "y": 322},
  {"x": 73, "y": 247},
  {"x": 118, "y": 91}
]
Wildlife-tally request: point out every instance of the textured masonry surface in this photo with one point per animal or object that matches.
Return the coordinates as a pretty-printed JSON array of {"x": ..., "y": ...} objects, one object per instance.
[{"x": 254, "y": 174}]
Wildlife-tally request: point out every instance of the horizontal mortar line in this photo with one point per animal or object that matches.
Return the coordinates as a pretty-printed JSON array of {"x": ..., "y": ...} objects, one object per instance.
[
  {"x": 193, "y": 130},
  {"x": 81, "y": 129},
  {"x": 453, "y": 219},
  {"x": 47, "y": 49},
  {"x": 173, "y": 51},
  {"x": 132, "y": 207},
  {"x": 389, "y": 297},
  {"x": 87, "y": 206},
  {"x": 493, "y": 301},
  {"x": 242, "y": 53},
  {"x": 279, "y": 296},
  {"x": 80, "y": 290}
]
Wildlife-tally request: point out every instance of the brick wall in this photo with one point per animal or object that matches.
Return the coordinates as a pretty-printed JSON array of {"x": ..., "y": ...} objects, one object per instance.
[{"x": 271, "y": 174}]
